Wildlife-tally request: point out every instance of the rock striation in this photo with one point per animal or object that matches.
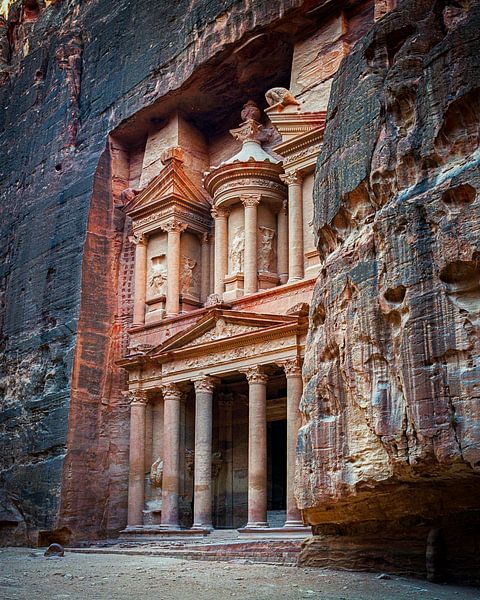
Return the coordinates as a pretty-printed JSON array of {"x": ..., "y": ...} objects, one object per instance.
[{"x": 388, "y": 470}]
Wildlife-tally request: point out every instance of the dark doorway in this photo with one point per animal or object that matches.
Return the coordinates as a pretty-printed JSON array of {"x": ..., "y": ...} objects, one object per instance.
[{"x": 277, "y": 464}]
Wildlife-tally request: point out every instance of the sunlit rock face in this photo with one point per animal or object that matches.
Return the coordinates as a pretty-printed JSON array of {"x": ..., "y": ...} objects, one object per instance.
[{"x": 390, "y": 448}]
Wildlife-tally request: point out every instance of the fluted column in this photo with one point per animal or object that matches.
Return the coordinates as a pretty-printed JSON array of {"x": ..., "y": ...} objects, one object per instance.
[
  {"x": 205, "y": 257},
  {"x": 136, "y": 480},
  {"x": 293, "y": 373},
  {"x": 172, "y": 396},
  {"x": 202, "y": 499},
  {"x": 295, "y": 226},
  {"x": 221, "y": 247},
  {"x": 174, "y": 230},
  {"x": 282, "y": 243},
  {"x": 257, "y": 447},
  {"x": 250, "y": 270},
  {"x": 140, "y": 285}
]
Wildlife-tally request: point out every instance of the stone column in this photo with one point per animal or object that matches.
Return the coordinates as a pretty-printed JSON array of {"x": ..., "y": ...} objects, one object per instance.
[
  {"x": 172, "y": 397},
  {"x": 205, "y": 258},
  {"x": 295, "y": 226},
  {"x": 293, "y": 374},
  {"x": 221, "y": 247},
  {"x": 250, "y": 270},
  {"x": 140, "y": 286},
  {"x": 202, "y": 495},
  {"x": 136, "y": 480},
  {"x": 174, "y": 230},
  {"x": 282, "y": 243},
  {"x": 257, "y": 447}
]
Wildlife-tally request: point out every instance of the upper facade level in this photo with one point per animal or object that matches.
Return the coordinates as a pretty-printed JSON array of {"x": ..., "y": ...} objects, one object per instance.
[{"x": 211, "y": 233}]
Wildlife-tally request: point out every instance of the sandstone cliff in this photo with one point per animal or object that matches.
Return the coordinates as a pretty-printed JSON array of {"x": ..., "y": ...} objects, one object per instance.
[{"x": 389, "y": 454}]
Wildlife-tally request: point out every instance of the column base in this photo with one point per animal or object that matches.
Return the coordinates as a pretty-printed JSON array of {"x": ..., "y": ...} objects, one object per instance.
[
  {"x": 199, "y": 527},
  {"x": 294, "y": 279},
  {"x": 293, "y": 523},
  {"x": 256, "y": 525}
]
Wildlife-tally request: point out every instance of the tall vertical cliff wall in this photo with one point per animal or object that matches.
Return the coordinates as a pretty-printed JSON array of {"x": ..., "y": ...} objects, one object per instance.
[
  {"x": 71, "y": 74},
  {"x": 389, "y": 455}
]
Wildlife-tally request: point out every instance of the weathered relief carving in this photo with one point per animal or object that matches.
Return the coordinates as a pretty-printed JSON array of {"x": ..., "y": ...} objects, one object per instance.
[
  {"x": 188, "y": 277},
  {"x": 158, "y": 275},
  {"x": 237, "y": 250},
  {"x": 156, "y": 473},
  {"x": 189, "y": 461},
  {"x": 282, "y": 96},
  {"x": 266, "y": 250}
]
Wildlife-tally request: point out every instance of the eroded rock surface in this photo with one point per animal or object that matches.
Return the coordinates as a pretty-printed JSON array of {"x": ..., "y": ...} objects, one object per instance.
[{"x": 390, "y": 447}]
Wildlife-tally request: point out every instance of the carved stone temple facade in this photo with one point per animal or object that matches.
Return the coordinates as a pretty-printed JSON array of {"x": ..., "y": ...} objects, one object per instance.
[{"x": 224, "y": 268}]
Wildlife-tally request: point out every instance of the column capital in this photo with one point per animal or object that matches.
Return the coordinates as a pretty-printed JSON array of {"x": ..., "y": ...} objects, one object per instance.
[
  {"x": 220, "y": 212},
  {"x": 173, "y": 225},
  {"x": 139, "y": 239},
  {"x": 293, "y": 178},
  {"x": 255, "y": 374},
  {"x": 250, "y": 199},
  {"x": 171, "y": 391},
  {"x": 204, "y": 384},
  {"x": 292, "y": 367},
  {"x": 136, "y": 397}
]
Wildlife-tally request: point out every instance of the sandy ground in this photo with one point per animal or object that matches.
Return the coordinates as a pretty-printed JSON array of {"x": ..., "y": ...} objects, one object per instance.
[{"x": 26, "y": 573}]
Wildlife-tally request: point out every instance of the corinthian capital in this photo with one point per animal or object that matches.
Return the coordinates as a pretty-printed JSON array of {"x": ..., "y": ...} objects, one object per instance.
[
  {"x": 292, "y": 367},
  {"x": 171, "y": 391},
  {"x": 204, "y": 384},
  {"x": 138, "y": 239},
  {"x": 173, "y": 225},
  {"x": 136, "y": 397},
  {"x": 255, "y": 374},
  {"x": 250, "y": 199},
  {"x": 293, "y": 178},
  {"x": 220, "y": 212}
]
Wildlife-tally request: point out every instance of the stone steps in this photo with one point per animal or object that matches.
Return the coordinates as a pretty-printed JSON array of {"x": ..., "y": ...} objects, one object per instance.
[{"x": 278, "y": 552}]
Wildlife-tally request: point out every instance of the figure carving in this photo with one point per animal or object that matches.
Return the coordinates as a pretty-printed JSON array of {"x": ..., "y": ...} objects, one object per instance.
[
  {"x": 156, "y": 473},
  {"x": 250, "y": 111},
  {"x": 282, "y": 96},
  {"x": 187, "y": 278},
  {"x": 237, "y": 250},
  {"x": 266, "y": 251},
  {"x": 158, "y": 275}
]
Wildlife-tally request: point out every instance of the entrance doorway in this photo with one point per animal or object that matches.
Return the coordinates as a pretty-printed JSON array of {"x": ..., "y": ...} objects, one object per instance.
[{"x": 277, "y": 465}]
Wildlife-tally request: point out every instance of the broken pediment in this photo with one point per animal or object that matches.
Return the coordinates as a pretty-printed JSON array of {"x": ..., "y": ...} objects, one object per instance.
[{"x": 171, "y": 186}]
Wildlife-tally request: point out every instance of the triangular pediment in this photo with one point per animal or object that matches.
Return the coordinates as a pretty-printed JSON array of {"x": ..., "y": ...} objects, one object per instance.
[
  {"x": 170, "y": 185},
  {"x": 218, "y": 325}
]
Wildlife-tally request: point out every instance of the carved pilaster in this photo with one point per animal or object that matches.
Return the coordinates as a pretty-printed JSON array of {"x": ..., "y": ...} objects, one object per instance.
[{"x": 255, "y": 374}]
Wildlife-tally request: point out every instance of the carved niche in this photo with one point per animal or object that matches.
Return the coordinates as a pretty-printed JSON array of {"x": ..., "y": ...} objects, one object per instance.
[
  {"x": 237, "y": 251},
  {"x": 266, "y": 249},
  {"x": 189, "y": 276}
]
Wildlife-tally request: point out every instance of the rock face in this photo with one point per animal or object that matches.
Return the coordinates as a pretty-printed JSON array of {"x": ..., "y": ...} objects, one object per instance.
[
  {"x": 72, "y": 72},
  {"x": 389, "y": 454}
]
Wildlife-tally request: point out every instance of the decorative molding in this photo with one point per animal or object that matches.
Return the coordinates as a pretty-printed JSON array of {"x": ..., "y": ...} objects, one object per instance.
[
  {"x": 205, "y": 384},
  {"x": 255, "y": 375}
]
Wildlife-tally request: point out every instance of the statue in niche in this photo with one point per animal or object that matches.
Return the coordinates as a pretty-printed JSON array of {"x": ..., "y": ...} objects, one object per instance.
[
  {"x": 188, "y": 275},
  {"x": 158, "y": 275},
  {"x": 266, "y": 252},
  {"x": 156, "y": 473},
  {"x": 237, "y": 249}
]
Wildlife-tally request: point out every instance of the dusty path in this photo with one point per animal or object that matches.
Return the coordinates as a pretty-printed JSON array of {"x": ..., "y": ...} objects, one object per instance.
[{"x": 26, "y": 574}]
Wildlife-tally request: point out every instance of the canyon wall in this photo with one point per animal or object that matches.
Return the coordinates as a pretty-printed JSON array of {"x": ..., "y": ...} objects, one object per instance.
[
  {"x": 71, "y": 73},
  {"x": 389, "y": 454}
]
